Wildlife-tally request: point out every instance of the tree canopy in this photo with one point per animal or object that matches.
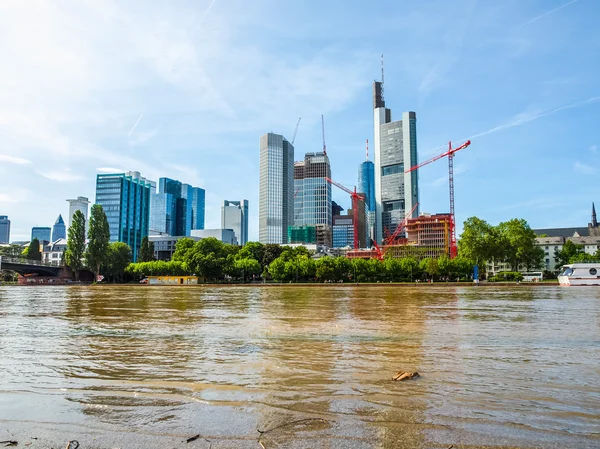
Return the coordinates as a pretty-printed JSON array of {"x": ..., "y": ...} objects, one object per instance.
[
  {"x": 146, "y": 250},
  {"x": 33, "y": 250},
  {"x": 98, "y": 238},
  {"x": 76, "y": 243}
]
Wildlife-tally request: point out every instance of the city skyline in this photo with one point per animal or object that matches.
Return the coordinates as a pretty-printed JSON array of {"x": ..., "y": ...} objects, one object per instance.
[{"x": 158, "y": 96}]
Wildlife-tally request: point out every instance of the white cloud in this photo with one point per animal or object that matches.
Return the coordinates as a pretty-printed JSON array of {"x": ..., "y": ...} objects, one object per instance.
[
  {"x": 110, "y": 170},
  {"x": 585, "y": 169},
  {"x": 14, "y": 159},
  {"x": 60, "y": 175}
]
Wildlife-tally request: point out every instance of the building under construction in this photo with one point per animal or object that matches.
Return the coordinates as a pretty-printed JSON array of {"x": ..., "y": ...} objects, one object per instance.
[{"x": 428, "y": 236}]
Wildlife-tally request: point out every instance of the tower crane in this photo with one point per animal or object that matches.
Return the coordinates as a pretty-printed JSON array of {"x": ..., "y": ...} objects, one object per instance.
[
  {"x": 450, "y": 154},
  {"x": 323, "y": 131},
  {"x": 355, "y": 198},
  {"x": 296, "y": 131},
  {"x": 391, "y": 239}
]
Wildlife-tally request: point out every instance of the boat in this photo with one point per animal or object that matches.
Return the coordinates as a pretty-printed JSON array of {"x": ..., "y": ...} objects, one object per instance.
[{"x": 580, "y": 274}]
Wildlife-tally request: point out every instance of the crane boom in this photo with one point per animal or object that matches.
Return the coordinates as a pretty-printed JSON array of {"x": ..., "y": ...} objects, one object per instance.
[
  {"x": 450, "y": 152},
  {"x": 401, "y": 226},
  {"x": 296, "y": 130},
  {"x": 355, "y": 198},
  {"x": 323, "y": 131}
]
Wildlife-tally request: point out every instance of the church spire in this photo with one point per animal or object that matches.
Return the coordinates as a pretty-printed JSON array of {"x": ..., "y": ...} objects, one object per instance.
[{"x": 594, "y": 222}]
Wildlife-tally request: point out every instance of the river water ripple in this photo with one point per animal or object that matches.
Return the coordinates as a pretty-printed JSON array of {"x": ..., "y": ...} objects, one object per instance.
[{"x": 146, "y": 367}]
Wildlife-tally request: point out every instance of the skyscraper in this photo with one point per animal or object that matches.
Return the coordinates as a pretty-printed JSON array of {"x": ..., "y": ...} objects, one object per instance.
[
  {"x": 79, "y": 204},
  {"x": 41, "y": 233},
  {"x": 312, "y": 192},
  {"x": 4, "y": 229},
  {"x": 276, "y": 188},
  {"x": 125, "y": 198},
  {"x": 366, "y": 185},
  {"x": 59, "y": 230},
  {"x": 177, "y": 208},
  {"x": 395, "y": 151},
  {"x": 234, "y": 215}
]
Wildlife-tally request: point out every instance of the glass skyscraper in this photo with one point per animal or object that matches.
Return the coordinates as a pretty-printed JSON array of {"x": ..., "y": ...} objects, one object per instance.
[
  {"x": 366, "y": 185},
  {"x": 234, "y": 215},
  {"x": 177, "y": 208},
  {"x": 43, "y": 234},
  {"x": 395, "y": 151},
  {"x": 312, "y": 192},
  {"x": 276, "y": 189},
  {"x": 4, "y": 229},
  {"x": 59, "y": 230},
  {"x": 125, "y": 198}
]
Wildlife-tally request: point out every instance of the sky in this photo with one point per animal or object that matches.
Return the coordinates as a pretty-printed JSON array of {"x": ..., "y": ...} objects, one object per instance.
[{"x": 184, "y": 89}]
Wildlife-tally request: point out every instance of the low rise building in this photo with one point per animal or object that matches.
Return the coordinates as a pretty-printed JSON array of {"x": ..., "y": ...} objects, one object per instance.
[
  {"x": 224, "y": 235},
  {"x": 53, "y": 252},
  {"x": 164, "y": 245}
]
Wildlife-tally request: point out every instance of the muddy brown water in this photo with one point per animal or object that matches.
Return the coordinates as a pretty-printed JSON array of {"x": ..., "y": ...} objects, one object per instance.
[{"x": 139, "y": 367}]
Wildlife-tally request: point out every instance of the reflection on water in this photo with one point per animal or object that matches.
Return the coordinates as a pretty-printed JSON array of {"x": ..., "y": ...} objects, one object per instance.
[{"x": 499, "y": 367}]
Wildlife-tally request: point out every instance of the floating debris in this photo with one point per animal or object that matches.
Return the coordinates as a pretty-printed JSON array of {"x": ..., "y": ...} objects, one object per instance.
[
  {"x": 194, "y": 438},
  {"x": 403, "y": 375}
]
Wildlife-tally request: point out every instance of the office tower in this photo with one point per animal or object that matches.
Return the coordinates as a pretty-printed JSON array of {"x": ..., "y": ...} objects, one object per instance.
[
  {"x": 366, "y": 185},
  {"x": 125, "y": 198},
  {"x": 312, "y": 192},
  {"x": 336, "y": 209},
  {"x": 4, "y": 229},
  {"x": 79, "y": 204},
  {"x": 43, "y": 234},
  {"x": 59, "y": 230},
  {"x": 177, "y": 208},
  {"x": 276, "y": 189},
  {"x": 395, "y": 151},
  {"x": 343, "y": 228},
  {"x": 234, "y": 215}
]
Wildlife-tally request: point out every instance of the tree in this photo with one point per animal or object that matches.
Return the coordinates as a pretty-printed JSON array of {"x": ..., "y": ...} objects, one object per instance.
[
  {"x": 271, "y": 252},
  {"x": 99, "y": 235},
  {"x": 33, "y": 250},
  {"x": 520, "y": 244},
  {"x": 11, "y": 250},
  {"x": 119, "y": 257},
  {"x": 568, "y": 252},
  {"x": 146, "y": 250},
  {"x": 253, "y": 250},
  {"x": 248, "y": 267},
  {"x": 480, "y": 241},
  {"x": 76, "y": 243}
]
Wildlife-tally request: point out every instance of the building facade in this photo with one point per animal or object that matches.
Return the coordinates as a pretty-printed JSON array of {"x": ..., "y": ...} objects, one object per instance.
[
  {"x": 176, "y": 208},
  {"x": 165, "y": 245},
  {"x": 234, "y": 215},
  {"x": 366, "y": 186},
  {"x": 396, "y": 192},
  {"x": 276, "y": 189},
  {"x": 312, "y": 191},
  {"x": 54, "y": 251},
  {"x": 59, "y": 230},
  {"x": 43, "y": 234},
  {"x": 81, "y": 203},
  {"x": 224, "y": 235},
  {"x": 4, "y": 229},
  {"x": 125, "y": 198}
]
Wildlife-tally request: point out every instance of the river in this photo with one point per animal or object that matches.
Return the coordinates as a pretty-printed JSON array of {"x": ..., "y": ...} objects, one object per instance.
[{"x": 149, "y": 367}]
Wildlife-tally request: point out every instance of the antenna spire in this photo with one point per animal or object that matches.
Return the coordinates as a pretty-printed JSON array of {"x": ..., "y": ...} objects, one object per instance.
[
  {"x": 382, "y": 99},
  {"x": 367, "y": 149},
  {"x": 323, "y": 131}
]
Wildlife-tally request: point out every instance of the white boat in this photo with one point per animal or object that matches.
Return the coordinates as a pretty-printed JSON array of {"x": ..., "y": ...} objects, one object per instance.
[{"x": 580, "y": 274}]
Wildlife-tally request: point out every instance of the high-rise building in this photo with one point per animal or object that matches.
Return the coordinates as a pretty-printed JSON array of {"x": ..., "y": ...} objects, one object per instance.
[
  {"x": 125, "y": 198},
  {"x": 79, "y": 204},
  {"x": 177, "y": 208},
  {"x": 41, "y": 233},
  {"x": 312, "y": 200},
  {"x": 343, "y": 228},
  {"x": 234, "y": 215},
  {"x": 4, "y": 229},
  {"x": 276, "y": 189},
  {"x": 366, "y": 185},
  {"x": 395, "y": 151},
  {"x": 59, "y": 230}
]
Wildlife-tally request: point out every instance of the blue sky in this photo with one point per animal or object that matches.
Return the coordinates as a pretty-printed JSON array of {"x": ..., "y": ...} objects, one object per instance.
[{"x": 184, "y": 89}]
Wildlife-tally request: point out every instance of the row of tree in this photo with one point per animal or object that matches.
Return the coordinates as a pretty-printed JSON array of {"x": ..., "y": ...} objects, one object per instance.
[{"x": 213, "y": 260}]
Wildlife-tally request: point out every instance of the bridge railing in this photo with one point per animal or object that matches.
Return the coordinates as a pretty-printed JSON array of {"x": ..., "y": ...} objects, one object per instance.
[{"x": 19, "y": 261}]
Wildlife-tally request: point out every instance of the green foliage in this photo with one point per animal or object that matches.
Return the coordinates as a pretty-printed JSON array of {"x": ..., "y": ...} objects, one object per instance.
[
  {"x": 76, "y": 243},
  {"x": 156, "y": 268},
  {"x": 11, "y": 250},
  {"x": 480, "y": 241},
  {"x": 569, "y": 252},
  {"x": 520, "y": 248},
  {"x": 271, "y": 252},
  {"x": 119, "y": 257},
  {"x": 33, "y": 250},
  {"x": 146, "y": 250},
  {"x": 99, "y": 235}
]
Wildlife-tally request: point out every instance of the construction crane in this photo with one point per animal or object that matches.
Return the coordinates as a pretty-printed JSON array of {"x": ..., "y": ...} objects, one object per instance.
[
  {"x": 323, "y": 131},
  {"x": 355, "y": 198},
  {"x": 450, "y": 154},
  {"x": 392, "y": 239},
  {"x": 296, "y": 131}
]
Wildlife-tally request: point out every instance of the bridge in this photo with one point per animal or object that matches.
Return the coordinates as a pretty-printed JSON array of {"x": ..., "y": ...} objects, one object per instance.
[{"x": 24, "y": 267}]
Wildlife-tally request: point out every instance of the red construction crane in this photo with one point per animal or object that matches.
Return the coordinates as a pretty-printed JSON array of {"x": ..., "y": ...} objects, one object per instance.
[
  {"x": 391, "y": 239},
  {"x": 355, "y": 198},
  {"x": 450, "y": 154}
]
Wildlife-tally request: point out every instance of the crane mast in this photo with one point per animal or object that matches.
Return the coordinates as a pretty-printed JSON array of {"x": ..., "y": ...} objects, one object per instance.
[{"x": 356, "y": 197}]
